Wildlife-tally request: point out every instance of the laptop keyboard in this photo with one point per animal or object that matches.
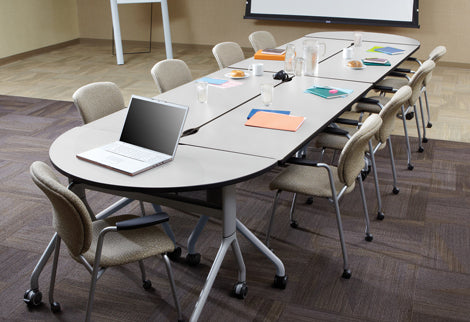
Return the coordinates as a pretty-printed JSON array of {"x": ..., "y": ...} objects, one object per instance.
[{"x": 133, "y": 152}]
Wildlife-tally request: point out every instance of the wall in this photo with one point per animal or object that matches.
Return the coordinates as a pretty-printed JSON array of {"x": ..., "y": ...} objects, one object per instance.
[
  {"x": 27, "y": 25},
  {"x": 212, "y": 21}
]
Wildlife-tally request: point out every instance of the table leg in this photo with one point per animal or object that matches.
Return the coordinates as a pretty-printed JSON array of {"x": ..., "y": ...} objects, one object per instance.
[{"x": 229, "y": 238}]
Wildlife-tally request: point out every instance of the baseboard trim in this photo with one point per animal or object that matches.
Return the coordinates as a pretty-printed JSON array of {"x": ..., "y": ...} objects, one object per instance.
[{"x": 10, "y": 59}]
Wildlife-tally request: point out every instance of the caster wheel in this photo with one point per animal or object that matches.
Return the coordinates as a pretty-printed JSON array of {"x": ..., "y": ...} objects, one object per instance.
[
  {"x": 395, "y": 190},
  {"x": 294, "y": 224},
  {"x": 147, "y": 284},
  {"x": 240, "y": 290},
  {"x": 421, "y": 149},
  {"x": 346, "y": 274},
  {"x": 175, "y": 255},
  {"x": 280, "y": 282},
  {"x": 429, "y": 125},
  {"x": 380, "y": 215},
  {"x": 369, "y": 237},
  {"x": 55, "y": 307},
  {"x": 309, "y": 200},
  {"x": 193, "y": 259},
  {"x": 410, "y": 115},
  {"x": 32, "y": 298},
  {"x": 425, "y": 140},
  {"x": 410, "y": 167}
]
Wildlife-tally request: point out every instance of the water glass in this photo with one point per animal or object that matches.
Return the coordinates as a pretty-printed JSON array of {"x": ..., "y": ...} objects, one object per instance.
[
  {"x": 267, "y": 94},
  {"x": 299, "y": 66},
  {"x": 289, "y": 59},
  {"x": 202, "y": 89}
]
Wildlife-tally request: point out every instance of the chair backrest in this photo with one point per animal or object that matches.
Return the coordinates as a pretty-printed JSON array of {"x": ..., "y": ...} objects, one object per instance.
[
  {"x": 389, "y": 112},
  {"x": 70, "y": 218},
  {"x": 435, "y": 56},
  {"x": 351, "y": 160},
  {"x": 170, "y": 73},
  {"x": 262, "y": 40},
  {"x": 416, "y": 82},
  {"x": 227, "y": 53},
  {"x": 97, "y": 100}
]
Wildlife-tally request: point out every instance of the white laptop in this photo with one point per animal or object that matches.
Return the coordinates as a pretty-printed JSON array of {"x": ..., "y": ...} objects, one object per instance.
[{"x": 150, "y": 136}]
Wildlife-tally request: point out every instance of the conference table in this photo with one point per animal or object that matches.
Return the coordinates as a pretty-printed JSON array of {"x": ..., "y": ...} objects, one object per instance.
[{"x": 218, "y": 150}]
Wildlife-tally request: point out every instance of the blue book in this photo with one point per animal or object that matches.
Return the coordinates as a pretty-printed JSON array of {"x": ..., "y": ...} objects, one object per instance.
[
  {"x": 253, "y": 112},
  {"x": 389, "y": 50}
]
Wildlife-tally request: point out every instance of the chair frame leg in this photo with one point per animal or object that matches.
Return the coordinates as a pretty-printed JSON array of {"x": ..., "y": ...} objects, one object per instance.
[
  {"x": 429, "y": 124},
  {"x": 268, "y": 232},
  {"x": 420, "y": 145},
  {"x": 380, "y": 213},
  {"x": 396, "y": 190},
  {"x": 425, "y": 139},
  {"x": 364, "y": 205},
  {"x": 293, "y": 223},
  {"x": 407, "y": 139},
  {"x": 54, "y": 270},
  {"x": 171, "y": 279}
]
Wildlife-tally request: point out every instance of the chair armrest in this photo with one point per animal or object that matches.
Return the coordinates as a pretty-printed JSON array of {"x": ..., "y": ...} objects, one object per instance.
[
  {"x": 415, "y": 60},
  {"x": 368, "y": 100},
  {"x": 397, "y": 74},
  {"x": 144, "y": 221},
  {"x": 403, "y": 70},
  {"x": 341, "y": 120},
  {"x": 384, "y": 88},
  {"x": 300, "y": 161},
  {"x": 335, "y": 131}
]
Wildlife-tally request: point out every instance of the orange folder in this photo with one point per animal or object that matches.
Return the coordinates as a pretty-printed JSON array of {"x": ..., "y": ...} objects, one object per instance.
[
  {"x": 276, "y": 121},
  {"x": 260, "y": 55}
]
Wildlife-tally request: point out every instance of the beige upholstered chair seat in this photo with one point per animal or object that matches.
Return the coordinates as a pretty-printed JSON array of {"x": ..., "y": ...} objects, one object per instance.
[
  {"x": 127, "y": 246},
  {"x": 310, "y": 181}
]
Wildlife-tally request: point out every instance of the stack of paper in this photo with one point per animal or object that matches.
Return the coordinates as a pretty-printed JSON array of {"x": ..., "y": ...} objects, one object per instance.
[
  {"x": 387, "y": 50},
  {"x": 328, "y": 92}
]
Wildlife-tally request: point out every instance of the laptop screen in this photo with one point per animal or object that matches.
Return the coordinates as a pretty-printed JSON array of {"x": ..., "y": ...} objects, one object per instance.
[{"x": 153, "y": 125}]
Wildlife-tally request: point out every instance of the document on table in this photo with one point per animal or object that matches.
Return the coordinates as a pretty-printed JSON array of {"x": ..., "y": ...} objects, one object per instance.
[{"x": 275, "y": 121}]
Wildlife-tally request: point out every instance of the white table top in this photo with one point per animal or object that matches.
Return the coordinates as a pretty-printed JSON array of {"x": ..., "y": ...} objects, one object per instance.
[
  {"x": 333, "y": 47},
  {"x": 334, "y": 67},
  {"x": 229, "y": 131},
  {"x": 192, "y": 169},
  {"x": 366, "y": 36},
  {"x": 220, "y": 100}
]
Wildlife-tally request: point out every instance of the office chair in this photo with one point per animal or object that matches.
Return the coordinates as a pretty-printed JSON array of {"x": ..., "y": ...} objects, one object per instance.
[
  {"x": 327, "y": 181},
  {"x": 262, "y": 40},
  {"x": 96, "y": 100},
  {"x": 103, "y": 243},
  {"x": 337, "y": 138},
  {"x": 401, "y": 79},
  {"x": 375, "y": 103},
  {"x": 170, "y": 73},
  {"x": 227, "y": 53}
]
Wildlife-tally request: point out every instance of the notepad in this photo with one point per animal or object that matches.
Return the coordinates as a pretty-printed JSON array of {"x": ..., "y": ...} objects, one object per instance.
[
  {"x": 260, "y": 55},
  {"x": 213, "y": 81},
  {"x": 253, "y": 112},
  {"x": 389, "y": 50},
  {"x": 276, "y": 121},
  {"x": 376, "y": 62},
  {"x": 273, "y": 51},
  {"x": 326, "y": 91}
]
